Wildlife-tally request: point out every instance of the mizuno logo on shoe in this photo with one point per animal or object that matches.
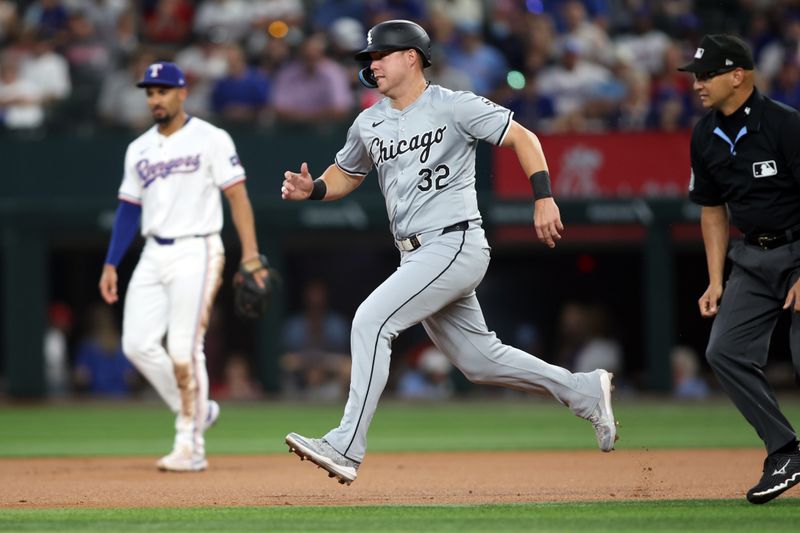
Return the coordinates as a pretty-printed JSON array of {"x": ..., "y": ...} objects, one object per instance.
[
  {"x": 782, "y": 470},
  {"x": 782, "y": 486}
]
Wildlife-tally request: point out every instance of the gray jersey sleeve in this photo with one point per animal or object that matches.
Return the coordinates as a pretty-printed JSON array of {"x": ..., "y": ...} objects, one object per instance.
[
  {"x": 479, "y": 118},
  {"x": 353, "y": 158}
]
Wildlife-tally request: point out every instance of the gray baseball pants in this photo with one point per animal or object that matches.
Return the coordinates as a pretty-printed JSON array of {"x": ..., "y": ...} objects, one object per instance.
[
  {"x": 738, "y": 345},
  {"x": 435, "y": 284}
]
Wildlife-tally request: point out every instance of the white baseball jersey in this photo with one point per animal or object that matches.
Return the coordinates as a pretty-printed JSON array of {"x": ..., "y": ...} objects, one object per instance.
[
  {"x": 177, "y": 179},
  {"x": 425, "y": 155}
]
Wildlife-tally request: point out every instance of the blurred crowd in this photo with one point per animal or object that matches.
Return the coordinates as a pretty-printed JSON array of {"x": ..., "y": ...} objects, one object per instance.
[
  {"x": 83, "y": 356},
  {"x": 561, "y": 65}
]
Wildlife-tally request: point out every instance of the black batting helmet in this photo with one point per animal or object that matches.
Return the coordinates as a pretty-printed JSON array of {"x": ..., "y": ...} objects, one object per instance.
[{"x": 397, "y": 35}]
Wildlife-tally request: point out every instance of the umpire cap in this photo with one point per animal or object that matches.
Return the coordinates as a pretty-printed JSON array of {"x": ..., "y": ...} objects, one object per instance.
[
  {"x": 397, "y": 35},
  {"x": 720, "y": 53},
  {"x": 163, "y": 74}
]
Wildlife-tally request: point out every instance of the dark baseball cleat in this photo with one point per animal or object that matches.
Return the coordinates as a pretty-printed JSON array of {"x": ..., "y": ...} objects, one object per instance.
[
  {"x": 781, "y": 472},
  {"x": 602, "y": 418},
  {"x": 322, "y": 454}
]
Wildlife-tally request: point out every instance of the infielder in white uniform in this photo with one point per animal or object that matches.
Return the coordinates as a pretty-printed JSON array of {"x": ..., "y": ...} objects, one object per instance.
[
  {"x": 172, "y": 180},
  {"x": 421, "y": 138}
]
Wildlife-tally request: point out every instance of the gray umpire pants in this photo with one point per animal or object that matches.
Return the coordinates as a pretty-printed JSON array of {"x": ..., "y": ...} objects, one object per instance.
[
  {"x": 435, "y": 284},
  {"x": 739, "y": 342}
]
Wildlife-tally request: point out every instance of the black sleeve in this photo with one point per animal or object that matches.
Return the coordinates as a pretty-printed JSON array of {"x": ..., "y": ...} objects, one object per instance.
[
  {"x": 702, "y": 189},
  {"x": 789, "y": 145}
]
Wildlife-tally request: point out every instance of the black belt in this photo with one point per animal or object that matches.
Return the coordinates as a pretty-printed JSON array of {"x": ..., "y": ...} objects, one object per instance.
[
  {"x": 768, "y": 241},
  {"x": 415, "y": 241},
  {"x": 166, "y": 242},
  {"x": 458, "y": 226}
]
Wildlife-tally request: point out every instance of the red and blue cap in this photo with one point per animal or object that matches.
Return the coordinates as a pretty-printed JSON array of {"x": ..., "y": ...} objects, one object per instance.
[{"x": 163, "y": 74}]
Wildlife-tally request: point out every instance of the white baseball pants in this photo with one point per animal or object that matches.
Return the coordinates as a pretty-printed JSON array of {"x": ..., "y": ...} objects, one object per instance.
[{"x": 171, "y": 293}]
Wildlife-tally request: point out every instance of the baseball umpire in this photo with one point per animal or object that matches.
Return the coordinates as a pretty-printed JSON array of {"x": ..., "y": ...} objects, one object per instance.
[
  {"x": 422, "y": 139},
  {"x": 745, "y": 161},
  {"x": 173, "y": 176}
]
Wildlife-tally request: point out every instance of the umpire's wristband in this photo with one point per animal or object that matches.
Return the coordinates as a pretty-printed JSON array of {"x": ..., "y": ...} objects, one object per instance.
[
  {"x": 540, "y": 182},
  {"x": 319, "y": 191}
]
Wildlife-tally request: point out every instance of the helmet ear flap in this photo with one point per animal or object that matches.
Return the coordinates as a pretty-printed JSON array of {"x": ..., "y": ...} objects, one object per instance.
[{"x": 367, "y": 78}]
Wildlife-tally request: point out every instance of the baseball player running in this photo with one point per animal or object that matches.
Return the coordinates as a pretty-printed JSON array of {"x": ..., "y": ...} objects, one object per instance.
[
  {"x": 422, "y": 139},
  {"x": 172, "y": 177}
]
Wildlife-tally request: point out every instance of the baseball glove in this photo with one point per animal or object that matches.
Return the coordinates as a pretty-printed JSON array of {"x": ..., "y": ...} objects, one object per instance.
[{"x": 250, "y": 300}]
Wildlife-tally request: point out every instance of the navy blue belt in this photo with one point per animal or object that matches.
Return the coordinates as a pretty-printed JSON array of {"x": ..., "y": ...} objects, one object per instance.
[{"x": 166, "y": 242}]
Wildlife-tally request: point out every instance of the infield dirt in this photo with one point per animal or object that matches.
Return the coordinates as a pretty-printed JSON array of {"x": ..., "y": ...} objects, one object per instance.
[{"x": 385, "y": 479}]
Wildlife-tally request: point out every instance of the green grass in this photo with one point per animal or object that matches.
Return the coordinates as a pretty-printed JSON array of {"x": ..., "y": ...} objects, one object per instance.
[
  {"x": 146, "y": 429},
  {"x": 617, "y": 517}
]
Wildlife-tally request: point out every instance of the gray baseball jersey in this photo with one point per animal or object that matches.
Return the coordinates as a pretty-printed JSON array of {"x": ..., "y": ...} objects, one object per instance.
[{"x": 425, "y": 156}]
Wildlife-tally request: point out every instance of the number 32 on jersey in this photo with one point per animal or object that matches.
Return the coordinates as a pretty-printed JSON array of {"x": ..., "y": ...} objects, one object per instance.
[{"x": 433, "y": 179}]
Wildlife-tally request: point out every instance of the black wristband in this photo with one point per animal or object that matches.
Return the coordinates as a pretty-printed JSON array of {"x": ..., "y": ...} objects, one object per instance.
[
  {"x": 540, "y": 182},
  {"x": 319, "y": 191}
]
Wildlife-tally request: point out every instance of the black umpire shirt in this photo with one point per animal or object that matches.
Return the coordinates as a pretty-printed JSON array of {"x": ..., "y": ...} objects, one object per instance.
[{"x": 750, "y": 160}]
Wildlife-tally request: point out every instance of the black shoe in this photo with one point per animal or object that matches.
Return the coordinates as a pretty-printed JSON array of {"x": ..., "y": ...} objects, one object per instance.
[{"x": 781, "y": 472}]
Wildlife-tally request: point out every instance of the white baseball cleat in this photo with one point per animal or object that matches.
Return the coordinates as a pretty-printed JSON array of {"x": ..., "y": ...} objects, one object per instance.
[
  {"x": 602, "y": 418},
  {"x": 322, "y": 454},
  {"x": 211, "y": 415},
  {"x": 182, "y": 460}
]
